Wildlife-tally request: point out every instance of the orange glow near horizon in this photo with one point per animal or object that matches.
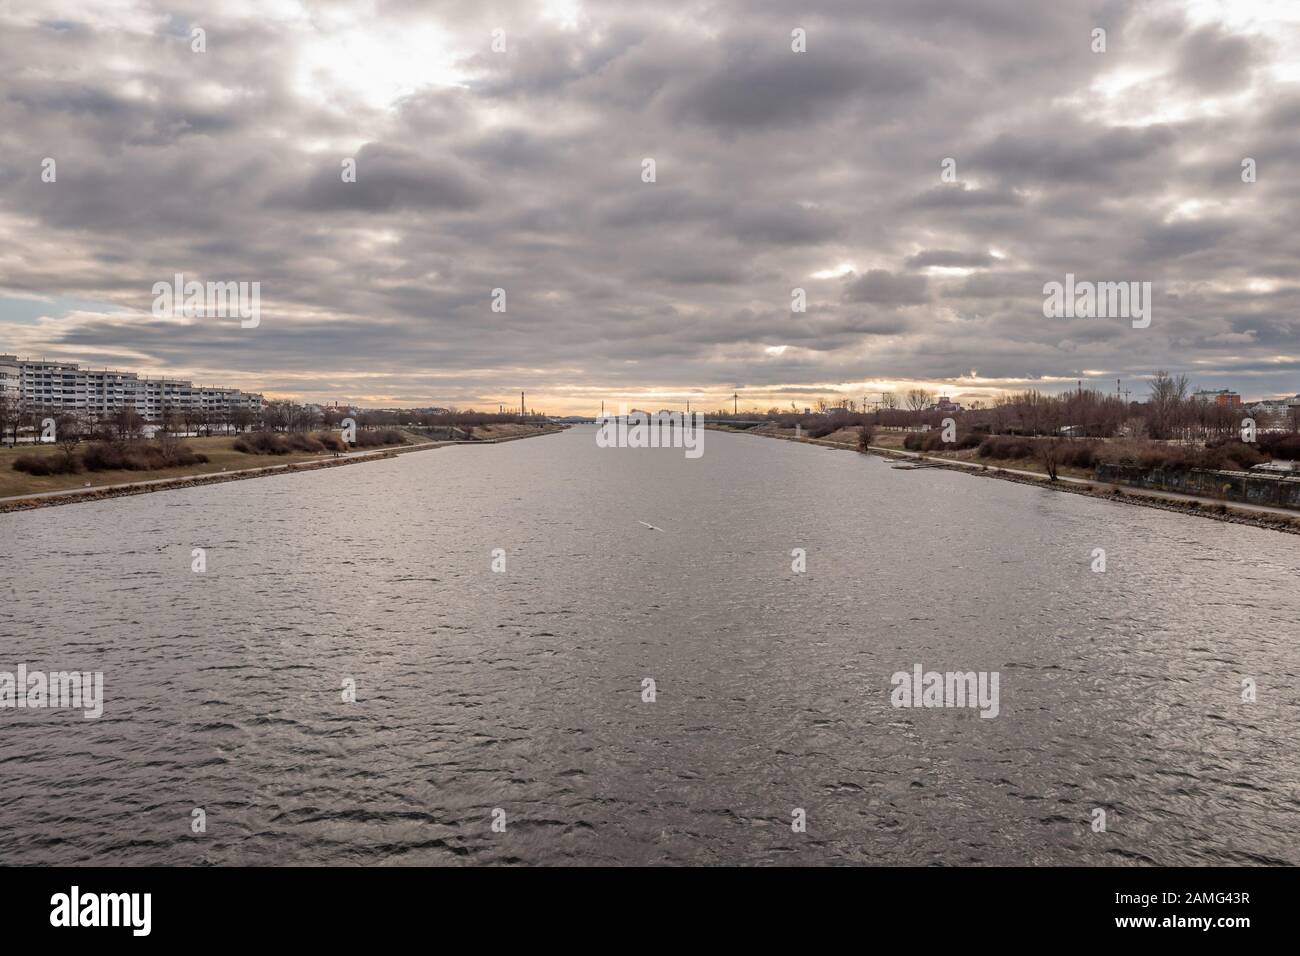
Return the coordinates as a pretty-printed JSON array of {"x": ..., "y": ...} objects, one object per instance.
[{"x": 587, "y": 401}]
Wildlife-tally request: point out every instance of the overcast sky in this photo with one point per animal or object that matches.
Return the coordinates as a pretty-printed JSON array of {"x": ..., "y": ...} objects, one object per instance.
[{"x": 775, "y": 169}]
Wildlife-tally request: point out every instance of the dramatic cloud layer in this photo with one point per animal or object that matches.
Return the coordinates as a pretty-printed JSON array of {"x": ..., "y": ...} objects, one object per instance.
[{"x": 775, "y": 170}]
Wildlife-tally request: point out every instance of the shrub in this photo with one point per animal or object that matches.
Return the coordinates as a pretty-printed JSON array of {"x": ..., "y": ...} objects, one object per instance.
[
  {"x": 48, "y": 464},
  {"x": 1005, "y": 447},
  {"x": 185, "y": 455},
  {"x": 1231, "y": 456},
  {"x": 274, "y": 443},
  {"x": 1078, "y": 454},
  {"x": 1225, "y": 456},
  {"x": 933, "y": 441},
  {"x": 282, "y": 443},
  {"x": 138, "y": 456},
  {"x": 821, "y": 430},
  {"x": 301, "y": 441},
  {"x": 1285, "y": 446},
  {"x": 103, "y": 456},
  {"x": 819, "y": 425},
  {"x": 389, "y": 436},
  {"x": 1162, "y": 457},
  {"x": 261, "y": 443},
  {"x": 864, "y": 438}
]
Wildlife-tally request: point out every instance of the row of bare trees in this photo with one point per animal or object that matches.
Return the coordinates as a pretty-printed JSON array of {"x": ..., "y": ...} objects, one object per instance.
[
  {"x": 1168, "y": 413},
  {"x": 123, "y": 424},
  {"x": 126, "y": 424}
]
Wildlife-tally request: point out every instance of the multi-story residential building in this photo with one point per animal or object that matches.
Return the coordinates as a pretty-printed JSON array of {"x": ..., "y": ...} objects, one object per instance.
[
  {"x": 9, "y": 378},
  {"x": 1218, "y": 396},
  {"x": 1277, "y": 412},
  {"x": 67, "y": 386}
]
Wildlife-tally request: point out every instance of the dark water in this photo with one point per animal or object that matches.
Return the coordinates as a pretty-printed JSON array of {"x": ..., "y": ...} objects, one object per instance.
[{"x": 522, "y": 690}]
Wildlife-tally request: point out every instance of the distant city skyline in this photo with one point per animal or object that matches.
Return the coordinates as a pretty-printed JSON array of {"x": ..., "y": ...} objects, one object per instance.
[
  {"x": 697, "y": 399},
  {"x": 700, "y": 399},
  {"x": 381, "y": 177}
]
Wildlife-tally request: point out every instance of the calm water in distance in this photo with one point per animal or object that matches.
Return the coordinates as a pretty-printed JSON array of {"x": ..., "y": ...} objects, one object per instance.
[{"x": 522, "y": 690}]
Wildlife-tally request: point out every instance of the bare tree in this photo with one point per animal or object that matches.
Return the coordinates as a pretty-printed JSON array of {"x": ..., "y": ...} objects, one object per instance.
[
  {"x": 1049, "y": 453},
  {"x": 168, "y": 441},
  {"x": 69, "y": 430},
  {"x": 277, "y": 416},
  {"x": 34, "y": 418},
  {"x": 1134, "y": 428},
  {"x": 127, "y": 424},
  {"x": 919, "y": 398},
  {"x": 1168, "y": 395}
]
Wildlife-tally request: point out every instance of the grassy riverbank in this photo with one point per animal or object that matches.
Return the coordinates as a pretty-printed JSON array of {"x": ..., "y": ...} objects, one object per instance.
[
  {"x": 219, "y": 450},
  {"x": 1031, "y": 471},
  {"x": 224, "y": 461}
]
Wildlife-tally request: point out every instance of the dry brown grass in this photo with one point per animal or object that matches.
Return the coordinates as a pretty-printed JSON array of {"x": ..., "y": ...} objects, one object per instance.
[{"x": 221, "y": 456}]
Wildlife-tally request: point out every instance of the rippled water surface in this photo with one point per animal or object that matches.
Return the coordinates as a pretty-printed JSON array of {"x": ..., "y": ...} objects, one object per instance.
[{"x": 522, "y": 690}]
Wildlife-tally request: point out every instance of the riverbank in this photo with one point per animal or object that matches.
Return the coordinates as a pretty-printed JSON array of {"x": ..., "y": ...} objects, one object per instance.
[
  {"x": 1276, "y": 519},
  {"x": 224, "y": 464}
]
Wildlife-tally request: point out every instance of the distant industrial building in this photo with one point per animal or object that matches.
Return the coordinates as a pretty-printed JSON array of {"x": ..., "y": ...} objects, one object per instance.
[{"x": 65, "y": 386}]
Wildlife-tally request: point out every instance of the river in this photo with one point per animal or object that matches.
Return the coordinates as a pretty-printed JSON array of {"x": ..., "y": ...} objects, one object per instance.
[{"x": 517, "y": 697}]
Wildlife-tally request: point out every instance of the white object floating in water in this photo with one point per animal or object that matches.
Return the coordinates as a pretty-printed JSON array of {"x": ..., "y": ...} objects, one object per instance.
[{"x": 650, "y": 526}]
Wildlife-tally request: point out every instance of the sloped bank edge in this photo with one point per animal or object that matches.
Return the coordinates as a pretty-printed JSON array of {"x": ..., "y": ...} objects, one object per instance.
[
  {"x": 1216, "y": 512},
  {"x": 73, "y": 497}
]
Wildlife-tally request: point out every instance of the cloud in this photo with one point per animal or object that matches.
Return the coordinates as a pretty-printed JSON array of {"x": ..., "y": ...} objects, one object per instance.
[
  {"x": 951, "y": 259},
  {"x": 391, "y": 178},
  {"x": 885, "y": 288},
  {"x": 755, "y": 86},
  {"x": 521, "y": 170},
  {"x": 1213, "y": 60}
]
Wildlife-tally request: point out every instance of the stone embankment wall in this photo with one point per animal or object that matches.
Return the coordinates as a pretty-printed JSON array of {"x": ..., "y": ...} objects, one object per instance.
[{"x": 1277, "y": 490}]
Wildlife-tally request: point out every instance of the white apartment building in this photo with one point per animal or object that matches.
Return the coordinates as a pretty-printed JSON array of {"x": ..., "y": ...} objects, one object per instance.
[
  {"x": 67, "y": 386},
  {"x": 1276, "y": 412}
]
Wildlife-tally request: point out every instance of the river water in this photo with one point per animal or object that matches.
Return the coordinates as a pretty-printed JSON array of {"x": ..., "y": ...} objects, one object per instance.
[{"x": 521, "y": 691}]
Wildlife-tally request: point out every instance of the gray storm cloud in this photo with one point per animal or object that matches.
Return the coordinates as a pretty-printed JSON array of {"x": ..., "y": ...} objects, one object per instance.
[{"x": 775, "y": 170}]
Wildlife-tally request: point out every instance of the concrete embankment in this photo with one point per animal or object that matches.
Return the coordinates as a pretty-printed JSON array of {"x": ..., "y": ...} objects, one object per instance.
[{"x": 1247, "y": 488}]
